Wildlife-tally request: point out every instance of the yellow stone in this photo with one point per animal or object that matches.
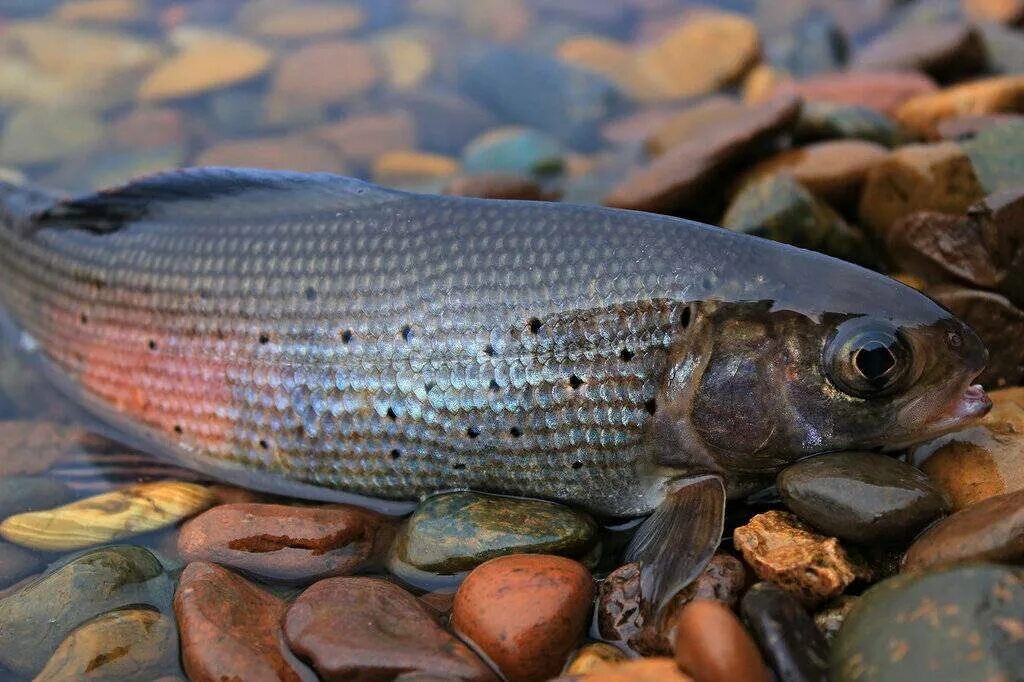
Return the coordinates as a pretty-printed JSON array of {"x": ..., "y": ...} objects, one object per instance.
[
  {"x": 407, "y": 61},
  {"x": 105, "y": 11},
  {"x": 761, "y": 83},
  {"x": 411, "y": 168},
  {"x": 277, "y": 19},
  {"x": 923, "y": 113},
  {"x": 592, "y": 656},
  {"x": 205, "y": 63},
  {"x": 654, "y": 669},
  {"x": 615, "y": 61},
  {"x": 107, "y": 517},
  {"x": 701, "y": 55}
]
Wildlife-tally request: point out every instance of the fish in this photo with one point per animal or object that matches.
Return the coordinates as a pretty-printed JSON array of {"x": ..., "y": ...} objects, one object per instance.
[{"x": 318, "y": 336}]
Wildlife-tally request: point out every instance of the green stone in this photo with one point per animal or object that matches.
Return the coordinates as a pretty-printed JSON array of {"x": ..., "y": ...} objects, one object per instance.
[
  {"x": 997, "y": 153},
  {"x": 778, "y": 207},
  {"x": 962, "y": 624},
  {"x": 521, "y": 151},
  {"x": 125, "y": 644},
  {"x": 455, "y": 532},
  {"x": 828, "y": 121},
  {"x": 37, "y": 617}
]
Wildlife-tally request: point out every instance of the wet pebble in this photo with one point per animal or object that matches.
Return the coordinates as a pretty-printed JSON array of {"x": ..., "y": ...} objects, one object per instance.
[
  {"x": 286, "y": 543},
  {"x": 946, "y": 51},
  {"x": 783, "y": 550},
  {"x": 312, "y": 72},
  {"x": 790, "y": 641},
  {"x": 779, "y": 207},
  {"x": 656, "y": 669},
  {"x": 119, "y": 645},
  {"x": 990, "y": 530},
  {"x": 456, "y": 532},
  {"x": 516, "y": 150},
  {"x": 208, "y": 61},
  {"x": 593, "y": 656},
  {"x": 526, "y": 612},
  {"x": 932, "y": 177},
  {"x": 713, "y": 646},
  {"x": 686, "y": 173},
  {"x": 998, "y": 94},
  {"x": 831, "y": 616},
  {"x": 861, "y": 497},
  {"x": 107, "y": 517},
  {"x": 496, "y": 186},
  {"x": 16, "y": 563},
  {"x": 981, "y": 461},
  {"x": 45, "y": 610},
  {"x": 30, "y": 493},
  {"x": 960, "y": 623},
  {"x": 367, "y": 628},
  {"x": 230, "y": 629}
]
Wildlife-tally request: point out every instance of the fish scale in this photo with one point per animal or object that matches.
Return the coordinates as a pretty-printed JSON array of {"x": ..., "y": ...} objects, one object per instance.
[{"x": 321, "y": 330}]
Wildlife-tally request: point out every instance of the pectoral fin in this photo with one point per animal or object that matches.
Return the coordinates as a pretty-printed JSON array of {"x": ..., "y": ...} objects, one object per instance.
[{"x": 676, "y": 542}]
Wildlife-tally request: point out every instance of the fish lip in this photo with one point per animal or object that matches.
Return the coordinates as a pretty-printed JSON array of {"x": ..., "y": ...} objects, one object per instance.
[{"x": 970, "y": 406}]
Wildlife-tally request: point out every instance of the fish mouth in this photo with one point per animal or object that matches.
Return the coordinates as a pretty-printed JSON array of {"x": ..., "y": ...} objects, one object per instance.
[{"x": 971, "y": 405}]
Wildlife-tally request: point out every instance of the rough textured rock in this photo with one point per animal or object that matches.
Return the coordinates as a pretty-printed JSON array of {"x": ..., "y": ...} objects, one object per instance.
[
  {"x": 961, "y": 623},
  {"x": 686, "y": 173},
  {"x": 45, "y": 610},
  {"x": 790, "y": 641},
  {"x": 290, "y": 543},
  {"x": 526, "y": 612},
  {"x": 230, "y": 629},
  {"x": 831, "y": 616},
  {"x": 783, "y": 550},
  {"x": 991, "y": 530},
  {"x": 861, "y": 497},
  {"x": 119, "y": 645},
  {"x": 932, "y": 177},
  {"x": 367, "y": 628},
  {"x": 713, "y": 646}
]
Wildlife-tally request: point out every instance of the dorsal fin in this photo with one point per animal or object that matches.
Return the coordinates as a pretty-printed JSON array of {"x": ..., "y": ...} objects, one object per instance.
[{"x": 211, "y": 193}]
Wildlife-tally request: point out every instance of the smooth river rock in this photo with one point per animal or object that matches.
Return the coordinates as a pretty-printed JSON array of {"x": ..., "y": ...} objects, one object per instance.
[
  {"x": 713, "y": 646},
  {"x": 287, "y": 543},
  {"x": 47, "y": 609},
  {"x": 861, "y": 497},
  {"x": 961, "y": 624},
  {"x": 371, "y": 629},
  {"x": 791, "y": 642}
]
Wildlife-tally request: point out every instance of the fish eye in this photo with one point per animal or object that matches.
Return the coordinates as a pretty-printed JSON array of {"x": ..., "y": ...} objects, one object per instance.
[{"x": 867, "y": 358}]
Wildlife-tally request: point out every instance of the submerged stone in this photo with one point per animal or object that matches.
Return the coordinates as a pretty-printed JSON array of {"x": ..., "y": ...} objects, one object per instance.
[
  {"x": 960, "y": 623},
  {"x": 520, "y": 151},
  {"x": 208, "y": 62},
  {"x": 861, "y": 497},
  {"x": 47, "y": 609}
]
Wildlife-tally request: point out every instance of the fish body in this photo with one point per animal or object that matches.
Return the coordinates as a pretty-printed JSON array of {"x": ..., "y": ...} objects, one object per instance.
[{"x": 316, "y": 335}]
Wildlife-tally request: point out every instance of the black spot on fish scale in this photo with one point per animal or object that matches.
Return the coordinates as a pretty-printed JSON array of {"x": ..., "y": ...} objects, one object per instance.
[
  {"x": 151, "y": 344},
  {"x": 391, "y": 414},
  {"x": 346, "y": 336},
  {"x": 83, "y": 318},
  {"x": 472, "y": 432},
  {"x": 575, "y": 382},
  {"x": 494, "y": 386},
  {"x": 396, "y": 454},
  {"x": 626, "y": 355},
  {"x": 177, "y": 429},
  {"x": 489, "y": 350},
  {"x": 515, "y": 432},
  {"x": 651, "y": 406},
  {"x": 534, "y": 325},
  {"x": 310, "y": 294},
  {"x": 459, "y": 466},
  {"x": 406, "y": 333},
  {"x": 264, "y": 444},
  {"x": 577, "y": 465},
  {"x": 685, "y": 317},
  {"x": 264, "y": 339}
]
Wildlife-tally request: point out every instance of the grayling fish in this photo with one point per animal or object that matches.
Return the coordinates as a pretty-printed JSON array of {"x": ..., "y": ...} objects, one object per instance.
[{"x": 317, "y": 336}]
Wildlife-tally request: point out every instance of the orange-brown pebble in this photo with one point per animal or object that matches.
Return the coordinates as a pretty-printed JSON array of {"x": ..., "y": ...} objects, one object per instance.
[
  {"x": 526, "y": 612},
  {"x": 639, "y": 670},
  {"x": 713, "y": 646},
  {"x": 882, "y": 90},
  {"x": 1002, "y": 11},
  {"x": 1000, "y": 94}
]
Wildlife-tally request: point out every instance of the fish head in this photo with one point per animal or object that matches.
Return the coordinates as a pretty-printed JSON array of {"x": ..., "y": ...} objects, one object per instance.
[{"x": 759, "y": 387}]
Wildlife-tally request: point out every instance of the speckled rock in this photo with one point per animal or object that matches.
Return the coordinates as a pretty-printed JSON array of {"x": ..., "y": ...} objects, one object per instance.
[
  {"x": 526, "y": 612},
  {"x": 16, "y": 563},
  {"x": 995, "y": 152},
  {"x": 208, "y": 62},
  {"x": 831, "y": 616},
  {"x": 367, "y": 628},
  {"x": 455, "y": 532},
  {"x": 119, "y": 645},
  {"x": 783, "y": 550},
  {"x": 991, "y": 530},
  {"x": 516, "y": 150},
  {"x": 778, "y": 207},
  {"x": 998, "y": 94},
  {"x": 230, "y": 629},
  {"x": 981, "y": 461},
  {"x": 718, "y": 48},
  {"x": 861, "y": 497},
  {"x": 790, "y": 641},
  {"x": 497, "y": 186},
  {"x": 327, "y": 72},
  {"x": 107, "y": 517},
  {"x": 45, "y": 610},
  {"x": 287, "y": 543},
  {"x": 712, "y": 645},
  {"x": 946, "y": 51},
  {"x": 687, "y": 172},
  {"x": 883, "y": 91},
  {"x": 30, "y": 493},
  {"x": 827, "y": 121},
  {"x": 932, "y": 177},
  {"x": 543, "y": 93},
  {"x": 961, "y": 623},
  {"x": 593, "y": 656}
]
